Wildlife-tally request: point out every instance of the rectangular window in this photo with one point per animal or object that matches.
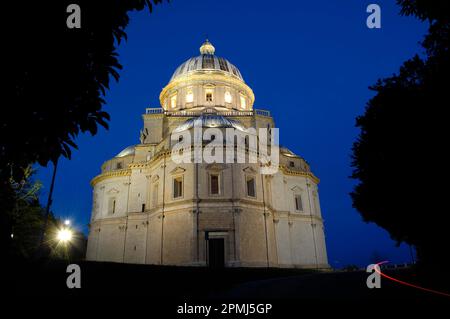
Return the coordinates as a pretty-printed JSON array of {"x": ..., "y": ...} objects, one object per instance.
[
  {"x": 173, "y": 101},
  {"x": 209, "y": 97},
  {"x": 243, "y": 102},
  {"x": 143, "y": 208},
  {"x": 291, "y": 164},
  {"x": 112, "y": 206},
  {"x": 251, "y": 187},
  {"x": 228, "y": 97},
  {"x": 189, "y": 97},
  {"x": 119, "y": 165},
  {"x": 298, "y": 203},
  {"x": 214, "y": 183},
  {"x": 177, "y": 187}
]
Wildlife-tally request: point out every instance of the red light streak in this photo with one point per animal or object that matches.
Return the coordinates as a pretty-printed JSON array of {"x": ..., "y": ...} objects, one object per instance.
[{"x": 378, "y": 270}]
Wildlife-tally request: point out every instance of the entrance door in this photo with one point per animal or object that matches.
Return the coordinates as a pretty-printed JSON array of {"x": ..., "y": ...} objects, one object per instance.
[{"x": 216, "y": 252}]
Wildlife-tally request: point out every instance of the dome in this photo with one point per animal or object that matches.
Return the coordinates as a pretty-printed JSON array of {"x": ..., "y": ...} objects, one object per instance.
[
  {"x": 287, "y": 152},
  {"x": 209, "y": 120},
  {"x": 207, "y": 61},
  {"x": 127, "y": 151}
]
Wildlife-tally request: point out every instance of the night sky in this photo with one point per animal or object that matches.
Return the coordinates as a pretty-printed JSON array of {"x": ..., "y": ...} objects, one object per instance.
[{"x": 309, "y": 62}]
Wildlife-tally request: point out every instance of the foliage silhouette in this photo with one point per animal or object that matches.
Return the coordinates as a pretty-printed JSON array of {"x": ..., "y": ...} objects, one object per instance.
[
  {"x": 399, "y": 157},
  {"x": 56, "y": 80}
]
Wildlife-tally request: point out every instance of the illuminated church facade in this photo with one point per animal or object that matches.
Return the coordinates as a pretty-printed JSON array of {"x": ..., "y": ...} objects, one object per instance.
[{"x": 149, "y": 209}]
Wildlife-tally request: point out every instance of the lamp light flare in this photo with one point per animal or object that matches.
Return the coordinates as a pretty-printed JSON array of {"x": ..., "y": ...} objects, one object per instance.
[
  {"x": 64, "y": 235},
  {"x": 67, "y": 222}
]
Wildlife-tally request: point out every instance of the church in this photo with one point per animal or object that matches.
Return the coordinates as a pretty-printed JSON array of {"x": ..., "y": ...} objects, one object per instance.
[{"x": 149, "y": 209}]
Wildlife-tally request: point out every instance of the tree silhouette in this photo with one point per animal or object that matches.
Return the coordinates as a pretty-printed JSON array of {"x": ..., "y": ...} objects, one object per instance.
[
  {"x": 400, "y": 155},
  {"x": 56, "y": 79}
]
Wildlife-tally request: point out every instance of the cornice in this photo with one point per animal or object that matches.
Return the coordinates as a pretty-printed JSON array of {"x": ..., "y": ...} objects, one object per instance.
[
  {"x": 165, "y": 153},
  {"x": 153, "y": 116},
  {"x": 287, "y": 171},
  {"x": 149, "y": 163},
  {"x": 110, "y": 174},
  {"x": 207, "y": 77}
]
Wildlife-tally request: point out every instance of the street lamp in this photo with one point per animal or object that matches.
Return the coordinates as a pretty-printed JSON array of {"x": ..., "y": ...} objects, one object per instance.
[{"x": 67, "y": 222}]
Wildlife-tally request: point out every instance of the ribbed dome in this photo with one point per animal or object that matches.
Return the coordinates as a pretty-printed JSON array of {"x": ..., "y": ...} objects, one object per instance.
[
  {"x": 207, "y": 61},
  {"x": 287, "y": 152},
  {"x": 209, "y": 120},
  {"x": 127, "y": 151}
]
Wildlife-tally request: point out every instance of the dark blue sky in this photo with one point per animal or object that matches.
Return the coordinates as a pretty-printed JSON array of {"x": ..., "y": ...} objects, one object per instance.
[{"x": 309, "y": 62}]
